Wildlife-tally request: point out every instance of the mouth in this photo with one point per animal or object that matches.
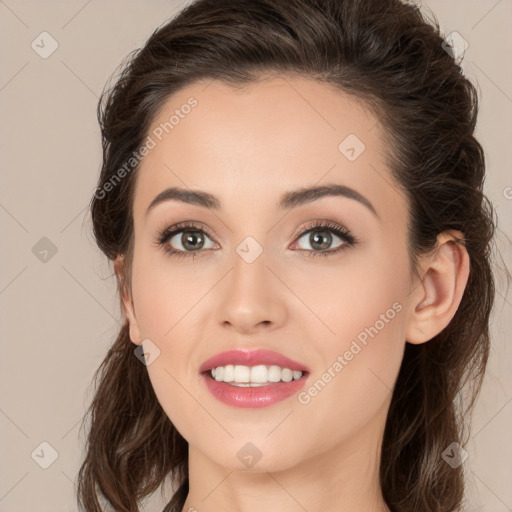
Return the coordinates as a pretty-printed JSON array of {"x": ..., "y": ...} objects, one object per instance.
[
  {"x": 257, "y": 366},
  {"x": 252, "y": 379},
  {"x": 253, "y": 376}
]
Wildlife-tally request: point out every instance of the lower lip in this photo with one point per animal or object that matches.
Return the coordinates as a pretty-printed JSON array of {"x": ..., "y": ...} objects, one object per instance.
[{"x": 253, "y": 397}]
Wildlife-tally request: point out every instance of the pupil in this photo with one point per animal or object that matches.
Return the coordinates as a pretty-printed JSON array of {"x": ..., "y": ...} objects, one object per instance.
[
  {"x": 318, "y": 238},
  {"x": 189, "y": 240}
]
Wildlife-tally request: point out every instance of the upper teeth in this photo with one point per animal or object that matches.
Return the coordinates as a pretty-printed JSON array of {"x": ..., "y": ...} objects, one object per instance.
[{"x": 259, "y": 374}]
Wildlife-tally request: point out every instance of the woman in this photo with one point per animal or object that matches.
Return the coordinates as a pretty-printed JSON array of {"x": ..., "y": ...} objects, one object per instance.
[{"x": 241, "y": 142}]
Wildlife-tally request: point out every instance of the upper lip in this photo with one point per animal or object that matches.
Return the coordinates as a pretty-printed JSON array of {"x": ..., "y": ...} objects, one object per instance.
[{"x": 252, "y": 358}]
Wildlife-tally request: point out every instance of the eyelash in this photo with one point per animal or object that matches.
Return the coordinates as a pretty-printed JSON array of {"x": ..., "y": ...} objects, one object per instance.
[{"x": 342, "y": 232}]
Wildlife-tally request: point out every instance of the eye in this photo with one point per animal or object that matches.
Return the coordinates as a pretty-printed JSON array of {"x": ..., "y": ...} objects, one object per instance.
[
  {"x": 188, "y": 239},
  {"x": 320, "y": 238}
]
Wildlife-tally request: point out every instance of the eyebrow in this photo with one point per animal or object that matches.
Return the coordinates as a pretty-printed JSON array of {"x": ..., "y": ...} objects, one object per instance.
[{"x": 287, "y": 201}]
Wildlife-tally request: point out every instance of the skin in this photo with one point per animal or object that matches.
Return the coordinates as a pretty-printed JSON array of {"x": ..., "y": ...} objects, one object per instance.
[{"x": 247, "y": 147}]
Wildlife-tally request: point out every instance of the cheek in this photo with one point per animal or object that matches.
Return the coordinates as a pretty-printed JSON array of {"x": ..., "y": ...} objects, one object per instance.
[
  {"x": 164, "y": 316},
  {"x": 354, "y": 385},
  {"x": 167, "y": 301},
  {"x": 166, "y": 292},
  {"x": 362, "y": 339},
  {"x": 370, "y": 313},
  {"x": 361, "y": 296}
]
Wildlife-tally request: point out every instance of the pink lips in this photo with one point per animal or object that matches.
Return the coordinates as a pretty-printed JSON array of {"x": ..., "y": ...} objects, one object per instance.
[
  {"x": 252, "y": 358},
  {"x": 252, "y": 397}
]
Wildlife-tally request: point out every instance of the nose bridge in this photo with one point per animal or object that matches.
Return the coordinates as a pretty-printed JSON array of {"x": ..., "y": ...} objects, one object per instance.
[
  {"x": 255, "y": 251},
  {"x": 250, "y": 274}
]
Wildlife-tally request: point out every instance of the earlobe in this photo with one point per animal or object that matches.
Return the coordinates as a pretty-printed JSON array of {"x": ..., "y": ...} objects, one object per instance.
[
  {"x": 436, "y": 300},
  {"x": 127, "y": 305}
]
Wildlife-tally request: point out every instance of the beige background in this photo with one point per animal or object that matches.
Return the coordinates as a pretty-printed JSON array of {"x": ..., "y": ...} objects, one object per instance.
[{"x": 59, "y": 317}]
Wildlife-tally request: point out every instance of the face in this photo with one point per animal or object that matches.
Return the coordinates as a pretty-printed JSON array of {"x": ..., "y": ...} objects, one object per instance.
[{"x": 334, "y": 299}]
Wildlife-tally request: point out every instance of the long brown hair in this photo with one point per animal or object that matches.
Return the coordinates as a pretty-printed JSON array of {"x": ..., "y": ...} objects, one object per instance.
[{"x": 386, "y": 54}]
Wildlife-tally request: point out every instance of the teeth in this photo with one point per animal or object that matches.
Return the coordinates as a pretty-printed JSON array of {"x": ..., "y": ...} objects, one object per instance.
[
  {"x": 260, "y": 375},
  {"x": 242, "y": 374},
  {"x": 229, "y": 373}
]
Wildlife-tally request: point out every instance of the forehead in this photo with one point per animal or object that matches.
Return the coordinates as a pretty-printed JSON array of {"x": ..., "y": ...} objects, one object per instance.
[{"x": 248, "y": 145}]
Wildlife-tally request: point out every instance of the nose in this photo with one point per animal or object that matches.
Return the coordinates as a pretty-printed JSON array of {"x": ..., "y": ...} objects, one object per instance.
[{"x": 251, "y": 297}]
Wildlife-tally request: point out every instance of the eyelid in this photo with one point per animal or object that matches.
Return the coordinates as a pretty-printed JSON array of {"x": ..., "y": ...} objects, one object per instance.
[
  {"x": 328, "y": 225},
  {"x": 186, "y": 225}
]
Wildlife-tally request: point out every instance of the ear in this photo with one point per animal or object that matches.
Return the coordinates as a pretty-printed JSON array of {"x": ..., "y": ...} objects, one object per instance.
[
  {"x": 127, "y": 301},
  {"x": 436, "y": 299}
]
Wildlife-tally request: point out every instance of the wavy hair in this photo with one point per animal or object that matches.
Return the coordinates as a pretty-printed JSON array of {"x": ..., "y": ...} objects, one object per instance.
[{"x": 389, "y": 56}]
